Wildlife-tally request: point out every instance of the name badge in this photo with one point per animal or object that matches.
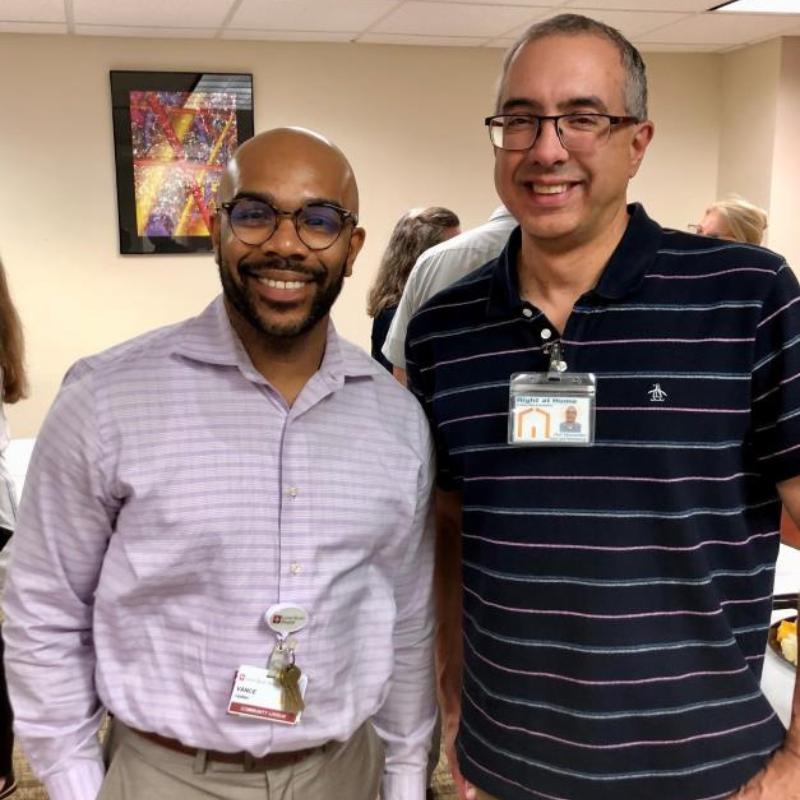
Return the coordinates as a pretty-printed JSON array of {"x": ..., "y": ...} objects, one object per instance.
[
  {"x": 552, "y": 410},
  {"x": 260, "y": 693}
]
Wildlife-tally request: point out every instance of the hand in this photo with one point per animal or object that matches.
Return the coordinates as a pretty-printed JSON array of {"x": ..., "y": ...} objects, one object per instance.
[
  {"x": 464, "y": 789},
  {"x": 779, "y": 780}
]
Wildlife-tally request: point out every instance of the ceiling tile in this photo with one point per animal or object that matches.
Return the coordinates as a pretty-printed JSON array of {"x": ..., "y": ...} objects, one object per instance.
[
  {"x": 33, "y": 27},
  {"x": 310, "y": 15},
  {"x": 629, "y": 23},
  {"x": 644, "y": 5},
  {"x": 418, "y": 39},
  {"x": 448, "y": 19},
  {"x": 725, "y": 29},
  {"x": 146, "y": 32},
  {"x": 32, "y": 11},
  {"x": 553, "y": 5},
  {"x": 152, "y": 13},
  {"x": 289, "y": 36}
]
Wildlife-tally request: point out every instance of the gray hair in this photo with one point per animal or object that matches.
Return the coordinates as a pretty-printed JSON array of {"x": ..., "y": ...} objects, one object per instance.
[{"x": 572, "y": 25}]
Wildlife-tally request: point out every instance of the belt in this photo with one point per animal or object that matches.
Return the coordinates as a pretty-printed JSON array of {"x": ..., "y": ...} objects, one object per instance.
[{"x": 250, "y": 762}]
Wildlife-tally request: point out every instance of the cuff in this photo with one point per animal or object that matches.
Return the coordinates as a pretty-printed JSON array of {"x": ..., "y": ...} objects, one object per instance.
[
  {"x": 403, "y": 786},
  {"x": 79, "y": 782},
  {"x": 394, "y": 352}
]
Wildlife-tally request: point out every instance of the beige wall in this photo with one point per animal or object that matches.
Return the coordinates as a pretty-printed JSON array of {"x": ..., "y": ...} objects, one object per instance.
[
  {"x": 785, "y": 174},
  {"x": 408, "y": 117},
  {"x": 749, "y": 95},
  {"x": 680, "y": 171}
]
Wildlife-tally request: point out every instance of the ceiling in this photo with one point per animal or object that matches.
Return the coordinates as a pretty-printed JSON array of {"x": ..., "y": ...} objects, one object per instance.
[{"x": 653, "y": 25}]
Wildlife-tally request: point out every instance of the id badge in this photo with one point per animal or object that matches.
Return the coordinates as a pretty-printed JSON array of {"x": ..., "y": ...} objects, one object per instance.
[
  {"x": 258, "y": 694},
  {"x": 552, "y": 410}
]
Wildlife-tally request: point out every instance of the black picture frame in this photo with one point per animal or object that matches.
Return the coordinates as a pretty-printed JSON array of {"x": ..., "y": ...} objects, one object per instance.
[{"x": 166, "y": 178}]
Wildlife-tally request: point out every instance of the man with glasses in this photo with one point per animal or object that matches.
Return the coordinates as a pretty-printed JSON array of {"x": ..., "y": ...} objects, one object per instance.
[
  {"x": 604, "y": 594},
  {"x": 224, "y": 539}
]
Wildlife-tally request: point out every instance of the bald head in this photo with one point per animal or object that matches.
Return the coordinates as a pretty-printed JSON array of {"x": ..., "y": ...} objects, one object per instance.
[{"x": 301, "y": 157}]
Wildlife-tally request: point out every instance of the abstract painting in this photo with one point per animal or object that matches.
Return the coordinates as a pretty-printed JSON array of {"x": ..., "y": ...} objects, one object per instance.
[{"x": 174, "y": 133}]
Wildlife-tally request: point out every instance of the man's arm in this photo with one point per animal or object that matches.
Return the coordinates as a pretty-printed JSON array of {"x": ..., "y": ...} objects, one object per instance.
[
  {"x": 780, "y": 779},
  {"x": 448, "y": 604},
  {"x": 790, "y": 494},
  {"x": 406, "y": 719},
  {"x": 790, "y": 533},
  {"x": 61, "y": 537}
]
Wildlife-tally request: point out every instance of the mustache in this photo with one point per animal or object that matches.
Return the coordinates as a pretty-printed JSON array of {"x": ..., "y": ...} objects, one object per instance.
[{"x": 256, "y": 269}]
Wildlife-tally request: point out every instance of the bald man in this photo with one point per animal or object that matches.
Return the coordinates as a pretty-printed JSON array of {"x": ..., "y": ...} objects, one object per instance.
[{"x": 224, "y": 539}]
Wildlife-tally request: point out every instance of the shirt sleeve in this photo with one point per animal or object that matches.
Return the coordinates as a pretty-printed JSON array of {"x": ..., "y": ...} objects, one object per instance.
[
  {"x": 421, "y": 381},
  {"x": 407, "y": 717},
  {"x": 63, "y": 529},
  {"x": 776, "y": 380},
  {"x": 394, "y": 346}
]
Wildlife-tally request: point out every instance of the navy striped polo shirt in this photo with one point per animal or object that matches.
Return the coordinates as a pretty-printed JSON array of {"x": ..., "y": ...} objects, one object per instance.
[{"x": 617, "y": 597}]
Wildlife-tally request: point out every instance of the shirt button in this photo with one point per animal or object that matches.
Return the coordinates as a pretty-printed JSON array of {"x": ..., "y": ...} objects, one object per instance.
[
  {"x": 292, "y": 491},
  {"x": 295, "y": 568},
  {"x": 546, "y": 333},
  {"x": 527, "y": 312}
]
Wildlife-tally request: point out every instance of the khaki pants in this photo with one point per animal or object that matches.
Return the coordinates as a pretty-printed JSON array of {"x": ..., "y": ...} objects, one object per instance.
[{"x": 142, "y": 770}]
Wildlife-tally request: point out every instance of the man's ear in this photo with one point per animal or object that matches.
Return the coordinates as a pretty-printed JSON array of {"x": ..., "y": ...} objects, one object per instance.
[
  {"x": 639, "y": 143},
  {"x": 357, "y": 238}
]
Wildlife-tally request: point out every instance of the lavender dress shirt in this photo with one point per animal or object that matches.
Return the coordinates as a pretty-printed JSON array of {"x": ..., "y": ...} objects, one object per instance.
[{"x": 173, "y": 497}]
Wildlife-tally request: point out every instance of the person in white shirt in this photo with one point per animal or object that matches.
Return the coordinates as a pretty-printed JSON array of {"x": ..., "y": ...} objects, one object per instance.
[{"x": 436, "y": 269}]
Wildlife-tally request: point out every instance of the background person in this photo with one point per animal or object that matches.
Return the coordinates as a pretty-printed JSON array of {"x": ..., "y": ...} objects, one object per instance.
[
  {"x": 439, "y": 267},
  {"x": 14, "y": 388},
  {"x": 734, "y": 219},
  {"x": 415, "y": 232}
]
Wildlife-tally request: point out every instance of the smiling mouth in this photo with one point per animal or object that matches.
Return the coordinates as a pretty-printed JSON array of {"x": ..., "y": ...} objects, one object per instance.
[
  {"x": 550, "y": 188},
  {"x": 275, "y": 284}
]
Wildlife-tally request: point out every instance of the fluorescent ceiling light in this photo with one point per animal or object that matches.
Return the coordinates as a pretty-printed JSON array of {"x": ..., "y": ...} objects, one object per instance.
[{"x": 760, "y": 7}]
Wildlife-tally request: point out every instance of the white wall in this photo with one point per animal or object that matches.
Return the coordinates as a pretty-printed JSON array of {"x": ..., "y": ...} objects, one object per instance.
[{"x": 409, "y": 118}]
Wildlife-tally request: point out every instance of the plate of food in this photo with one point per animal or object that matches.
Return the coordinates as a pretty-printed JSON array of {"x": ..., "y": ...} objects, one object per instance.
[{"x": 783, "y": 640}]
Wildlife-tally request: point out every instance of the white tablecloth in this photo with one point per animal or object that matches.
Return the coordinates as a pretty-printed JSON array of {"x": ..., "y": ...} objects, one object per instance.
[{"x": 777, "y": 680}]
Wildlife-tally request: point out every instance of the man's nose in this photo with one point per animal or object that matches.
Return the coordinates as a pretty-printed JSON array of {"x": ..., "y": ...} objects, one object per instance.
[
  {"x": 285, "y": 240},
  {"x": 547, "y": 147}
]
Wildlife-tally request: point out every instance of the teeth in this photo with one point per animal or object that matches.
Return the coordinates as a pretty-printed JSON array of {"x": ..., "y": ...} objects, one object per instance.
[
  {"x": 273, "y": 284},
  {"x": 550, "y": 189}
]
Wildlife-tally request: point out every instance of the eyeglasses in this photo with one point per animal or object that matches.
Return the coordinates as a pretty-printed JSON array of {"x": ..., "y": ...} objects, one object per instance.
[
  {"x": 698, "y": 229},
  {"x": 578, "y": 133},
  {"x": 318, "y": 225}
]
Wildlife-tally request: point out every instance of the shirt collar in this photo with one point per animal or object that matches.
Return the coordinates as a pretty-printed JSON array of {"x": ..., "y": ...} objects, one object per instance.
[
  {"x": 210, "y": 339},
  {"x": 623, "y": 273},
  {"x": 501, "y": 212}
]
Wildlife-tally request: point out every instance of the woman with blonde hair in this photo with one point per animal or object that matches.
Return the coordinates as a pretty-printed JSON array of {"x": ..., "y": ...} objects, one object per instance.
[
  {"x": 14, "y": 387},
  {"x": 415, "y": 232},
  {"x": 735, "y": 219}
]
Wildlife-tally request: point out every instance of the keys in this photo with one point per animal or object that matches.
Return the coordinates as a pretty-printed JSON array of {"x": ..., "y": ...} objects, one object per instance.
[{"x": 289, "y": 678}]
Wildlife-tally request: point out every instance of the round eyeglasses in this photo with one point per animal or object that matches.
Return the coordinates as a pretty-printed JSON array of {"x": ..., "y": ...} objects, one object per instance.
[
  {"x": 318, "y": 225},
  {"x": 578, "y": 133}
]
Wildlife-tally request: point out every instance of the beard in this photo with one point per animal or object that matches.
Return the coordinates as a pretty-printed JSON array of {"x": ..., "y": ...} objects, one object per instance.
[{"x": 244, "y": 300}]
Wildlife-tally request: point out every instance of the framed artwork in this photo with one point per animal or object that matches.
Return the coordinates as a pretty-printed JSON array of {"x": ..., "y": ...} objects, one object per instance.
[{"x": 174, "y": 132}]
